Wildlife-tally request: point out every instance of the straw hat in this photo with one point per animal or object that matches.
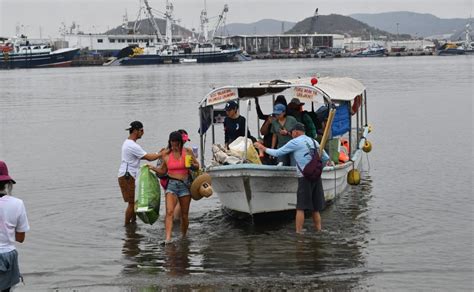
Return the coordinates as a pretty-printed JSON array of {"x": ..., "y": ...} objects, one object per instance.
[{"x": 201, "y": 187}]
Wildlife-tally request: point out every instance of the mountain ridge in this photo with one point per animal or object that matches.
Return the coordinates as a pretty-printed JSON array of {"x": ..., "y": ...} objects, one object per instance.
[{"x": 413, "y": 23}]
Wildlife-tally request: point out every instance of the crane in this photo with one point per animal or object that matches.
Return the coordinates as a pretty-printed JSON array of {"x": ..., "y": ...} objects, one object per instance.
[
  {"x": 204, "y": 22},
  {"x": 169, "y": 22},
  {"x": 220, "y": 20},
  {"x": 313, "y": 19},
  {"x": 153, "y": 22}
]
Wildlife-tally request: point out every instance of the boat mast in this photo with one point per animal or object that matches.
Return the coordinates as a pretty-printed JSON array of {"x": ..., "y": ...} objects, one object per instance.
[
  {"x": 153, "y": 22},
  {"x": 467, "y": 43},
  {"x": 221, "y": 20},
  {"x": 169, "y": 22},
  {"x": 204, "y": 22}
]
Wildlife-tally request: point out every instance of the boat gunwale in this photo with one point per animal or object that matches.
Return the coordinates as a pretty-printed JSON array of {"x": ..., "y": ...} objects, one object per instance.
[{"x": 280, "y": 168}]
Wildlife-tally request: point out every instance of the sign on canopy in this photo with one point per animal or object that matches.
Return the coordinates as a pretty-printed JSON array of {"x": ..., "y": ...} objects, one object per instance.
[
  {"x": 304, "y": 93},
  {"x": 222, "y": 95}
]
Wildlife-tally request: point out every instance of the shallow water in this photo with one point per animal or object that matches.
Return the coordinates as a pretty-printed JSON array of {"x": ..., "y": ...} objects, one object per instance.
[{"x": 408, "y": 226}]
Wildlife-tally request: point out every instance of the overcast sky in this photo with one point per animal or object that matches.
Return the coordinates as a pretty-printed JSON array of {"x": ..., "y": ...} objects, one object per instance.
[{"x": 99, "y": 15}]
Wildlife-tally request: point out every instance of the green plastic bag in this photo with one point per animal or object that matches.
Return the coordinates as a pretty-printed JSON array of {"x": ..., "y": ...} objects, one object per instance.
[
  {"x": 148, "y": 194},
  {"x": 333, "y": 149}
]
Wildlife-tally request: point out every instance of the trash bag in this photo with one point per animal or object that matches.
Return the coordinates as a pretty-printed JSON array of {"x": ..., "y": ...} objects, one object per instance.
[
  {"x": 333, "y": 148},
  {"x": 238, "y": 147},
  {"x": 222, "y": 156},
  {"x": 148, "y": 194}
]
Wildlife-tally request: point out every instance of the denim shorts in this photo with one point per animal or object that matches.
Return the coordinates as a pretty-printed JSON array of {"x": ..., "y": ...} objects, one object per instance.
[{"x": 178, "y": 187}]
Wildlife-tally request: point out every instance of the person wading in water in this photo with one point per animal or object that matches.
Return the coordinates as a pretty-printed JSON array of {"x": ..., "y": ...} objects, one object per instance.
[
  {"x": 132, "y": 153},
  {"x": 177, "y": 161}
]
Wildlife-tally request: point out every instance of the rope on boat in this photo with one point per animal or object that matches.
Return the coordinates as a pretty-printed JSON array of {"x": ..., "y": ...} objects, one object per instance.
[
  {"x": 335, "y": 191},
  {"x": 368, "y": 162}
]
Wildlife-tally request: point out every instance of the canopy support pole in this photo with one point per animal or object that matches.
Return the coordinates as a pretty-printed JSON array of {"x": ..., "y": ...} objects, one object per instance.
[
  {"x": 365, "y": 107},
  {"x": 201, "y": 139},
  {"x": 246, "y": 130},
  {"x": 327, "y": 129}
]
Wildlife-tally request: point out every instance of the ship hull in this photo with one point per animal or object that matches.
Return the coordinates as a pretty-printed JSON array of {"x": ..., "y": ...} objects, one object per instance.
[
  {"x": 59, "y": 58},
  {"x": 200, "y": 57}
]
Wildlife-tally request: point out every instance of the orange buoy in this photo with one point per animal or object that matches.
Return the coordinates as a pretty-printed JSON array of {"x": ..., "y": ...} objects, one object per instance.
[
  {"x": 345, "y": 144},
  {"x": 343, "y": 157}
]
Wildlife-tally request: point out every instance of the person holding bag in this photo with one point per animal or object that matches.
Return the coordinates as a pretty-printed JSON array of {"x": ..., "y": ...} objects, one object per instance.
[{"x": 132, "y": 153}]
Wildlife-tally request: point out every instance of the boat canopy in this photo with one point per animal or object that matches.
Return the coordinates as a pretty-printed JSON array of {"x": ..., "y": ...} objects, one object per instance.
[{"x": 329, "y": 88}]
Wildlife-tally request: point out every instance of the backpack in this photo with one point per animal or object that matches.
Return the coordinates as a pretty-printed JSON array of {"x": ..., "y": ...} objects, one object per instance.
[{"x": 312, "y": 171}]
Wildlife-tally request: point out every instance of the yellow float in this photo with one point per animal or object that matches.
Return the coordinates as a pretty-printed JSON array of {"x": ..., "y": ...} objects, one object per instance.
[
  {"x": 353, "y": 177},
  {"x": 370, "y": 128},
  {"x": 367, "y": 146}
]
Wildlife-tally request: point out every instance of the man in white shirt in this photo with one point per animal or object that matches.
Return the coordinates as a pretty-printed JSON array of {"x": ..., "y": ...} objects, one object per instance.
[
  {"x": 13, "y": 225},
  {"x": 132, "y": 153}
]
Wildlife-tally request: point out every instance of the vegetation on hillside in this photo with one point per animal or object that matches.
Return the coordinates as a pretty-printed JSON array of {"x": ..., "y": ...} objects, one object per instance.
[{"x": 339, "y": 24}]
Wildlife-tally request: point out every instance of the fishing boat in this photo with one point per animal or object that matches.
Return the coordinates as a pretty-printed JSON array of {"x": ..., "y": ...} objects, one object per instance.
[
  {"x": 168, "y": 52},
  {"x": 18, "y": 52},
  {"x": 200, "y": 52},
  {"x": 254, "y": 188},
  {"x": 373, "y": 50},
  {"x": 449, "y": 49}
]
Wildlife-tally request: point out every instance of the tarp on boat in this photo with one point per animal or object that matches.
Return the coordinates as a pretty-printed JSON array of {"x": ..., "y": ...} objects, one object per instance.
[{"x": 341, "y": 123}]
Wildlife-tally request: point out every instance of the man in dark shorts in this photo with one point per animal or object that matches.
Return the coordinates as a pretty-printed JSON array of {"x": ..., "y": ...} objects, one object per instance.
[
  {"x": 132, "y": 153},
  {"x": 310, "y": 194}
]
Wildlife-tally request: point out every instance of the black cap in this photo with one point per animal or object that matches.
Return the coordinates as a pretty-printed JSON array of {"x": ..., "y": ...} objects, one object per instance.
[
  {"x": 231, "y": 105},
  {"x": 296, "y": 101},
  {"x": 135, "y": 125},
  {"x": 298, "y": 127}
]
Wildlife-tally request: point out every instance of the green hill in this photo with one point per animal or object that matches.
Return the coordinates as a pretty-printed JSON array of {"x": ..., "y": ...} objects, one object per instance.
[
  {"x": 144, "y": 27},
  {"x": 340, "y": 24}
]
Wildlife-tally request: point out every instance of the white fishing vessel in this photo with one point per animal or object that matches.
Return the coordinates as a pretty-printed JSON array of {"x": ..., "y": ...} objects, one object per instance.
[{"x": 255, "y": 188}]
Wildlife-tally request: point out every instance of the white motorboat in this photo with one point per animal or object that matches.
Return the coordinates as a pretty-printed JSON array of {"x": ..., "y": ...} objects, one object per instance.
[{"x": 255, "y": 188}]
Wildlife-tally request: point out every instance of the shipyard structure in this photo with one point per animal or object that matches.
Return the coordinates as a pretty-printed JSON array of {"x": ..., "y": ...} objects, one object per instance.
[{"x": 253, "y": 44}]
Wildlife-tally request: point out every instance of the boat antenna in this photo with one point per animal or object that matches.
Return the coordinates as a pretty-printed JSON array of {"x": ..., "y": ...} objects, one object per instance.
[{"x": 153, "y": 22}]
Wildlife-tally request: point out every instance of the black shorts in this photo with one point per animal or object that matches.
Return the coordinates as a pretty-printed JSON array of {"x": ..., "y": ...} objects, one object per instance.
[{"x": 310, "y": 195}]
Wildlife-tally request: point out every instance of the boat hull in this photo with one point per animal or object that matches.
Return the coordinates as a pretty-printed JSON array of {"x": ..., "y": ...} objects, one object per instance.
[
  {"x": 254, "y": 189},
  {"x": 59, "y": 58},
  {"x": 200, "y": 57},
  {"x": 371, "y": 54},
  {"x": 450, "y": 52}
]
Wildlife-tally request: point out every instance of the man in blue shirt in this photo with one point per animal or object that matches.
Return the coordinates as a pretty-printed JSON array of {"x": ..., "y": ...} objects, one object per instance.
[{"x": 310, "y": 194}]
